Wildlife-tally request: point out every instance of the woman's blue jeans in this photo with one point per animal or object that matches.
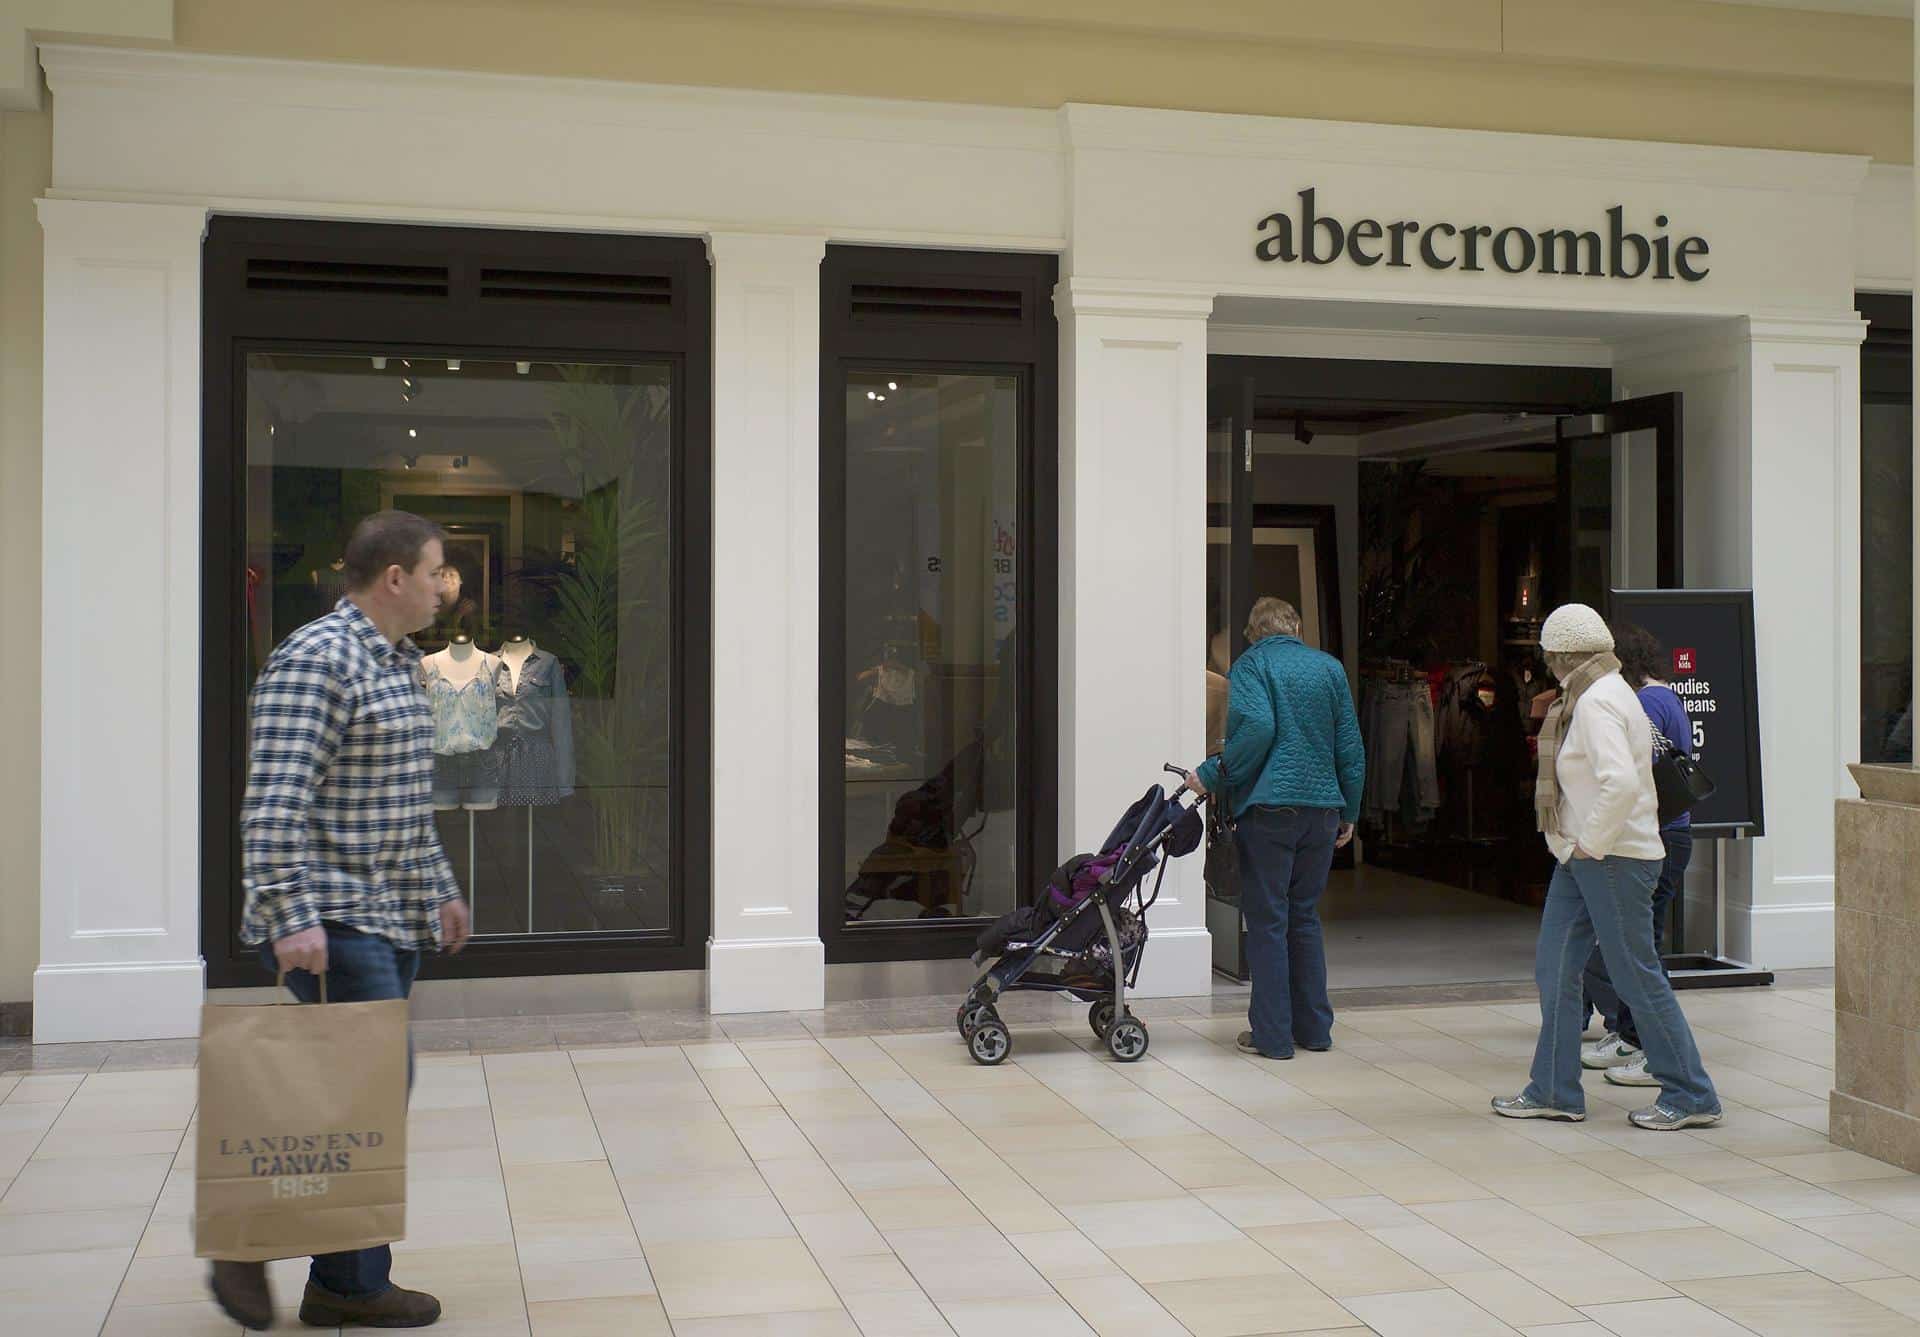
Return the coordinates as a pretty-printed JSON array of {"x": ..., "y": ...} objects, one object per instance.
[
  {"x": 1608, "y": 902},
  {"x": 1285, "y": 855}
]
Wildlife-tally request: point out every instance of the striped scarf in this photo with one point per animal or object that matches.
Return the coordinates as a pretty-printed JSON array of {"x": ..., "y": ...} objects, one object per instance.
[{"x": 1546, "y": 789}]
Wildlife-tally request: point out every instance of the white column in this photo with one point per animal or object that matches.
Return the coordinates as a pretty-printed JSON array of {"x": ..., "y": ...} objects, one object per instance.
[
  {"x": 1805, "y": 382},
  {"x": 765, "y": 953},
  {"x": 1133, "y": 584},
  {"x": 120, "y": 625}
]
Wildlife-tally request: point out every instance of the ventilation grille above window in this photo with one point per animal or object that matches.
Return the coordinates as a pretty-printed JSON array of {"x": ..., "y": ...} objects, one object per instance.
[
  {"x": 991, "y": 306},
  {"x": 549, "y": 285},
  {"x": 346, "y": 277}
]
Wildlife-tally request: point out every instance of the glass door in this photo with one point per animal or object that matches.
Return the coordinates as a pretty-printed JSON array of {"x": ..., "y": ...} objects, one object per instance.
[
  {"x": 1620, "y": 507},
  {"x": 1620, "y": 479},
  {"x": 1230, "y": 563}
]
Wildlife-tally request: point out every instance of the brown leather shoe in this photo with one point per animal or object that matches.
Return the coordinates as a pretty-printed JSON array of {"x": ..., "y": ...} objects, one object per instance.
[
  {"x": 241, "y": 1291},
  {"x": 391, "y": 1308}
]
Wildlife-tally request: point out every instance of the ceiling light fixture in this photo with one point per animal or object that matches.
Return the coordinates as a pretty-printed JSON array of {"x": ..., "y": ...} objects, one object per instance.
[
  {"x": 408, "y": 461},
  {"x": 892, "y": 385},
  {"x": 871, "y": 394},
  {"x": 379, "y": 364},
  {"x": 413, "y": 431},
  {"x": 523, "y": 367},
  {"x": 1300, "y": 432},
  {"x": 453, "y": 364}
]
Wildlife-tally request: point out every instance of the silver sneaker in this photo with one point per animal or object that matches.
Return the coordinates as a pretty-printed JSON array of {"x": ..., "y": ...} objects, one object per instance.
[
  {"x": 1632, "y": 1074},
  {"x": 1244, "y": 1043},
  {"x": 1607, "y": 1052},
  {"x": 1525, "y": 1107},
  {"x": 1660, "y": 1119}
]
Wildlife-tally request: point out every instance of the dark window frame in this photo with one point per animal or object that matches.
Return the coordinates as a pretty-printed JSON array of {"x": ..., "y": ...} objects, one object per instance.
[
  {"x": 238, "y": 321},
  {"x": 986, "y": 342},
  {"x": 1886, "y": 378}
]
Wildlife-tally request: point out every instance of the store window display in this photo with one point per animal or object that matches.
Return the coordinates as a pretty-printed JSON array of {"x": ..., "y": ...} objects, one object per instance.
[
  {"x": 466, "y": 723},
  {"x": 931, "y": 616},
  {"x": 549, "y": 668}
]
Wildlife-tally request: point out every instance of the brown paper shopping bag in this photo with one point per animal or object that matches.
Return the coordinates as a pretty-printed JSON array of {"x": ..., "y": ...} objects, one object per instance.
[{"x": 303, "y": 1129}]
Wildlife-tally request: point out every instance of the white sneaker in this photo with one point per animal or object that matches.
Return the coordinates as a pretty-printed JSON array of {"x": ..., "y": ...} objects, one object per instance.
[
  {"x": 1609, "y": 1051},
  {"x": 1632, "y": 1073}
]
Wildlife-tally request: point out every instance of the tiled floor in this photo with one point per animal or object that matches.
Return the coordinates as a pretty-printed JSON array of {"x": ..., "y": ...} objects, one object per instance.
[{"x": 814, "y": 1179}]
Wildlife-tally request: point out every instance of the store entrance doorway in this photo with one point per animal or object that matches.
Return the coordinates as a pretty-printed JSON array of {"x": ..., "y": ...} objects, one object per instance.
[{"x": 1424, "y": 518}]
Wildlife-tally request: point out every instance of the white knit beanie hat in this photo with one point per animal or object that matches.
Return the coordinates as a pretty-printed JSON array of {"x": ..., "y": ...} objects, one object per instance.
[{"x": 1575, "y": 629}]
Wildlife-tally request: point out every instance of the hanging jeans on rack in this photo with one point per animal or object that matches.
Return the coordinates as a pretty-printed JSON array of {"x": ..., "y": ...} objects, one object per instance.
[{"x": 1402, "y": 774}]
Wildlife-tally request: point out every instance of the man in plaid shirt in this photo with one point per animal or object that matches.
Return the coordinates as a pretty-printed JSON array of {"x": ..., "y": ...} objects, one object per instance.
[{"x": 344, "y": 875}]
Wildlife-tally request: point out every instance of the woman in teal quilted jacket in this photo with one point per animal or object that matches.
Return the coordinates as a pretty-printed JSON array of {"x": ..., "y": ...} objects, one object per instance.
[{"x": 1292, "y": 774}]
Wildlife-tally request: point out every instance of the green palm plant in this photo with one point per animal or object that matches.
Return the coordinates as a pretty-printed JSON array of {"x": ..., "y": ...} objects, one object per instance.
[{"x": 612, "y": 615}]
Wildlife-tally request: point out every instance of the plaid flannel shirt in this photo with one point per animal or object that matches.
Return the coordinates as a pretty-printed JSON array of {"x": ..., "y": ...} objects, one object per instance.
[{"x": 337, "y": 823}]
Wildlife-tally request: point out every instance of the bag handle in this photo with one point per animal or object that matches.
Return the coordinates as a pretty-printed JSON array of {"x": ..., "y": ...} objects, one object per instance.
[{"x": 280, "y": 982}]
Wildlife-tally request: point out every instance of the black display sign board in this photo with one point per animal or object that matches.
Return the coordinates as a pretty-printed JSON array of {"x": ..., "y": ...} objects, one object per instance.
[{"x": 1706, "y": 638}]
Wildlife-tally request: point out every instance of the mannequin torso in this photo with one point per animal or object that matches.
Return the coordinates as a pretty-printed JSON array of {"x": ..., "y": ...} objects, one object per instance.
[
  {"x": 460, "y": 663},
  {"x": 515, "y": 654}
]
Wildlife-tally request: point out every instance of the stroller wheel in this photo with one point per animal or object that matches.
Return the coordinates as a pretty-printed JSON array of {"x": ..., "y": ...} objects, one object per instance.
[
  {"x": 971, "y": 1014},
  {"x": 990, "y": 1042},
  {"x": 1127, "y": 1041},
  {"x": 1100, "y": 1017}
]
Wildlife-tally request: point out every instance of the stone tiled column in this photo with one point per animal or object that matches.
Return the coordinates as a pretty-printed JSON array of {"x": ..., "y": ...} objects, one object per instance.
[{"x": 1876, "y": 1095}]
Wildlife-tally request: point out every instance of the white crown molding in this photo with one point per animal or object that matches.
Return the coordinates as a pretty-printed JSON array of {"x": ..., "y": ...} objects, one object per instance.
[
  {"x": 1833, "y": 331},
  {"x": 1090, "y": 127},
  {"x": 1078, "y": 296},
  {"x": 1406, "y": 346}
]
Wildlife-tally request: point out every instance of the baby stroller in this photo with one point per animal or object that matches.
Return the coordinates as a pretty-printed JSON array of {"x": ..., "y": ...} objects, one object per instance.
[{"x": 1087, "y": 935}]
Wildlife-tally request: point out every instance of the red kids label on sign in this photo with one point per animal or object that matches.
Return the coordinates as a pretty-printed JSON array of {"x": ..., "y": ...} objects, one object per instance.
[{"x": 1683, "y": 661}]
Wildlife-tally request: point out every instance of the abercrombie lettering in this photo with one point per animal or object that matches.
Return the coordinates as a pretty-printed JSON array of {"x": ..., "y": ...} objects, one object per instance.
[{"x": 1615, "y": 252}]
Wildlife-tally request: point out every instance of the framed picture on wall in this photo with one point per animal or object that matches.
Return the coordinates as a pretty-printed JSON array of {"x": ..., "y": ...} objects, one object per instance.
[{"x": 1296, "y": 557}]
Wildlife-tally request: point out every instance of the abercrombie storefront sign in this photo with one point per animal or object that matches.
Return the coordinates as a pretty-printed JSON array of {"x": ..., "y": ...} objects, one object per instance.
[{"x": 1314, "y": 238}]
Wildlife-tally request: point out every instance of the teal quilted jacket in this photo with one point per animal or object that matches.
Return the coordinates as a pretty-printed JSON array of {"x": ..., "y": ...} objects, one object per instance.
[{"x": 1292, "y": 737}]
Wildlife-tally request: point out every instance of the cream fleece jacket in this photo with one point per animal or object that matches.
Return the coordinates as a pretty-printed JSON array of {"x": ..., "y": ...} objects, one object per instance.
[{"x": 1605, "y": 767}]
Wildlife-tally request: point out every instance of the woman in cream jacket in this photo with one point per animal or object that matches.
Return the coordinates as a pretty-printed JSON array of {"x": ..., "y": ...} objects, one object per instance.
[{"x": 1595, "y": 804}]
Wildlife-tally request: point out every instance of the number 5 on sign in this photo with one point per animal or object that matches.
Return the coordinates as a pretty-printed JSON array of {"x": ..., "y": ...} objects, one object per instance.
[{"x": 1699, "y": 735}]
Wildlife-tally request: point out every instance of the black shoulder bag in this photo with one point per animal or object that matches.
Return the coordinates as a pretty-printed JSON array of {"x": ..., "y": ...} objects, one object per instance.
[
  {"x": 1678, "y": 782},
  {"x": 1222, "y": 870}
]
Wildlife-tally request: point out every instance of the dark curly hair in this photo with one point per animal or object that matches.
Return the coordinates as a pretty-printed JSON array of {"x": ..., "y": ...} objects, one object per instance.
[{"x": 1640, "y": 654}]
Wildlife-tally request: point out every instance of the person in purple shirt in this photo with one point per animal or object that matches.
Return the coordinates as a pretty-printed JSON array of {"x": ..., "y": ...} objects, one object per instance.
[{"x": 1644, "y": 664}]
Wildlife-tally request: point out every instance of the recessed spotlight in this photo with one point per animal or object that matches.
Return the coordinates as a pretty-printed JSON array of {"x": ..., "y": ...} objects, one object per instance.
[
  {"x": 413, "y": 431},
  {"x": 872, "y": 395},
  {"x": 892, "y": 386},
  {"x": 271, "y": 429},
  {"x": 881, "y": 398},
  {"x": 408, "y": 461}
]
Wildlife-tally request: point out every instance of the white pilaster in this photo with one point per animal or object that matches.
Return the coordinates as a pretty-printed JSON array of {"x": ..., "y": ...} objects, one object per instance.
[
  {"x": 765, "y": 953},
  {"x": 1133, "y": 519},
  {"x": 1805, "y": 378},
  {"x": 120, "y": 625}
]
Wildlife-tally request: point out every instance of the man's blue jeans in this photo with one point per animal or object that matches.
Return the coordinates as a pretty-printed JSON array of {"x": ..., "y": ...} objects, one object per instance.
[
  {"x": 360, "y": 969},
  {"x": 1285, "y": 855},
  {"x": 1609, "y": 902}
]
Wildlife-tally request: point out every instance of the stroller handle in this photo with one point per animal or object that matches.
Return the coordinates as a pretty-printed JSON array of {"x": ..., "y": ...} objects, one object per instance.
[{"x": 1173, "y": 768}]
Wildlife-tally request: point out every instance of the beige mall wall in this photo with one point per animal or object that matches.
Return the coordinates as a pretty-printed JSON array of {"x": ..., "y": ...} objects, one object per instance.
[
  {"x": 1673, "y": 70},
  {"x": 26, "y": 156}
]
